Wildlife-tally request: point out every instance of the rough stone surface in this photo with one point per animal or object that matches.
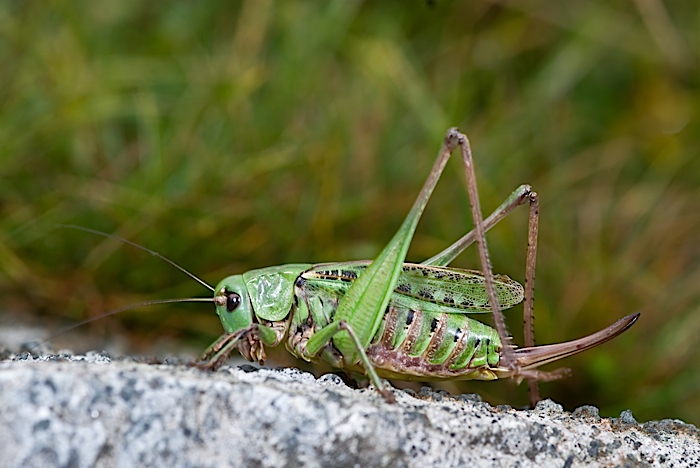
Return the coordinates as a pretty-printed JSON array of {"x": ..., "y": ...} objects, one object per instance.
[{"x": 64, "y": 410}]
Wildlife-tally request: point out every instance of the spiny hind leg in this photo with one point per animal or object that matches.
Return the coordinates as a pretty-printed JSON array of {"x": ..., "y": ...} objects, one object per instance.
[
  {"x": 520, "y": 196},
  {"x": 365, "y": 301},
  {"x": 529, "y": 302},
  {"x": 507, "y": 357}
]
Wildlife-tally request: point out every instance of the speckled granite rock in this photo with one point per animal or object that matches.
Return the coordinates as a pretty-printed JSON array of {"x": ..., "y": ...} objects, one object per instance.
[{"x": 93, "y": 410}]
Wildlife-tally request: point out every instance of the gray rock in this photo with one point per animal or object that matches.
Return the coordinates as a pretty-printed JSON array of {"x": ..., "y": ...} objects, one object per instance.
[{"x": 65, "y": 410}]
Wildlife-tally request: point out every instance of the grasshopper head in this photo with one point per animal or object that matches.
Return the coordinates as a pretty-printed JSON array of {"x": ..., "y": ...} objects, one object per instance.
[{"x": 233, "y": 304}]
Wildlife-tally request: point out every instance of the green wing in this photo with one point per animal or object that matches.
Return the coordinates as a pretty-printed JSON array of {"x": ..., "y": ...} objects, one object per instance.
[
  {"x": 462, "y": 291},
  {"x": 429, "y": 288}
]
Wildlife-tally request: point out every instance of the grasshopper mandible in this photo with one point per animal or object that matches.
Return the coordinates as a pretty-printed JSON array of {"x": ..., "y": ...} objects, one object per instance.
[{"x": 387, "y": 318}]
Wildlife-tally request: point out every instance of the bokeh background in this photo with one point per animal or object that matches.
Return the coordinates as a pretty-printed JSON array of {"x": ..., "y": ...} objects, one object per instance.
[{"x": 234, "y": 135}]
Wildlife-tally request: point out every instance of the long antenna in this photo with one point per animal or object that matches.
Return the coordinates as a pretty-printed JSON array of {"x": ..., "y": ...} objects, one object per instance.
[
  {"x": 133, "y": 244},
  {"x": 122, "y": 309}
]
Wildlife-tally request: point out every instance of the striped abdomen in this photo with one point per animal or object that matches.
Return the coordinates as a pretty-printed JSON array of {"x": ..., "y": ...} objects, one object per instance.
[{"x": 428, "y": 345}]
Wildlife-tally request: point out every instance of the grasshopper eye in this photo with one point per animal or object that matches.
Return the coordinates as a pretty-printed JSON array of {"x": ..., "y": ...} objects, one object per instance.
[{"x": 233, "y": 300}]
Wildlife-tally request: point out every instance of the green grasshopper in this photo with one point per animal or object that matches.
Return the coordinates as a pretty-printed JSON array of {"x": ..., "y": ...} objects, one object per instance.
[{"x": 388, "y": 318}]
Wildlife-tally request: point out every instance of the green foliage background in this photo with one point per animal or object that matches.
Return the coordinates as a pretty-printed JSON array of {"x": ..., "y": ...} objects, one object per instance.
[{"x": 235, "y": 135}]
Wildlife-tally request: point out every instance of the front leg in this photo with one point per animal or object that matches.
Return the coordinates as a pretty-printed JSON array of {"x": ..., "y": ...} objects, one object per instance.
[{"x": 250, "y": 343}]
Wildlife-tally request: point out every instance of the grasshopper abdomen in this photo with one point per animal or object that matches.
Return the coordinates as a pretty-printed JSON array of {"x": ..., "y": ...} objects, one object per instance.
[{"x": 420, "y": 345}]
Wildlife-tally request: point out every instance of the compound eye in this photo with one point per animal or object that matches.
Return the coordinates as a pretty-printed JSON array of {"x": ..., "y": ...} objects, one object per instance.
[{"x": 233, "y": 300}]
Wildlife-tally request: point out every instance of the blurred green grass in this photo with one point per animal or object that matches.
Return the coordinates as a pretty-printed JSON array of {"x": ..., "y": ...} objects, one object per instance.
[{"x": 229, "y": 136}]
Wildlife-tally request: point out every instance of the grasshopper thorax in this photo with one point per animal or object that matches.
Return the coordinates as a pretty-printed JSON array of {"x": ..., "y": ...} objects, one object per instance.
[{"x": 233, "y": 304}]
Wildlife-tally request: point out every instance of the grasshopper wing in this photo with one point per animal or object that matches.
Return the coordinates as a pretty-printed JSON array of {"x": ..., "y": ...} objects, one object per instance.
[
  {"x": 429, "y": 288},
  {"x": 453, "y": 290}
]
